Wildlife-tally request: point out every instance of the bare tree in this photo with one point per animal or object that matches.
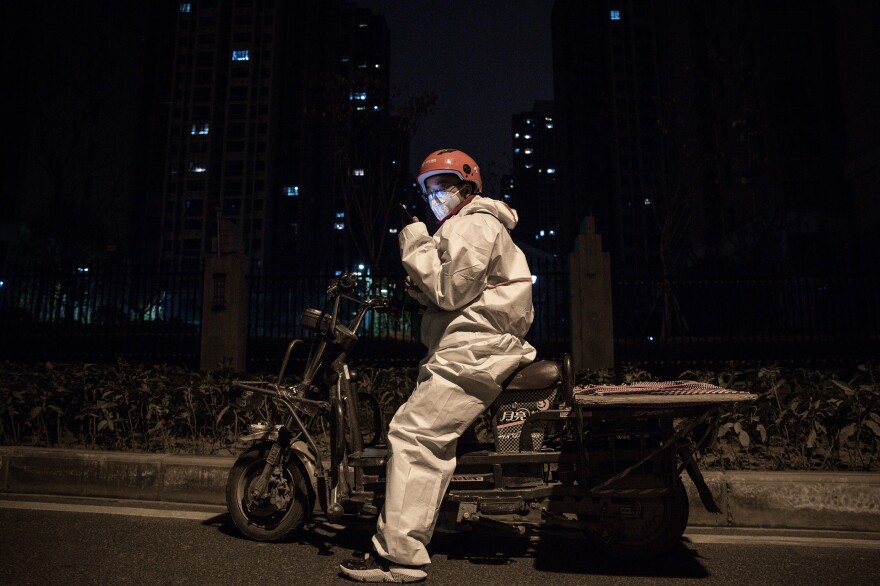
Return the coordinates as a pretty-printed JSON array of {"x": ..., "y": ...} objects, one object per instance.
[{"x": 370, "y": 145}]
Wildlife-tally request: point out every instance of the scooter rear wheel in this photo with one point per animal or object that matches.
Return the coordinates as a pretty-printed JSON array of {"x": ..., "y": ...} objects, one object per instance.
[
  {"x": 655, "y": 530},
  {"x": 281, "y": 511}
]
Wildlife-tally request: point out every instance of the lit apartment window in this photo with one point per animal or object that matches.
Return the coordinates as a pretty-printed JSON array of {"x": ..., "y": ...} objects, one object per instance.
[
  {"x": 615, "y": 15},
  {"x": 197, "y": 168},
  {"x": 392, "y": 230},
  {"x": 291, "y": 190},
  {"x": 357, "y": 96},
  {"x": 517, "y": 149},
  {"x": 362, "y": 25},
  {"x": 339, "y": 226},
  {"x": 527, "y": 136},
  {"x": 186, "y": 7},
  {"x": 551, "y": 170},
  {"x": 548, "y": 125},
  {"x": 244, "y": 55},
  {"x": 199, "y": 129},
  {"x": 358, "y": 172},
  {"x": 340, "y": 214},
  {"x": 527, "y": 151}
]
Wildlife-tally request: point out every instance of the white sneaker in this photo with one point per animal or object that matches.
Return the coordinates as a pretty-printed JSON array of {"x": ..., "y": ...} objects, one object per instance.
[{"x": 372, "y": 568}]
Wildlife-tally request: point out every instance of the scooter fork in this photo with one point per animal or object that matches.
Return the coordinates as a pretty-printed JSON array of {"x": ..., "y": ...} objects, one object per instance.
[
  {"x": 340, "y": 489},
  {"x": 258, "y": 489}
]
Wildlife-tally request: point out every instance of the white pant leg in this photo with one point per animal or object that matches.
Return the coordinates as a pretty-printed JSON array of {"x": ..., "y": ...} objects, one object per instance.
[{"x": 454, "y": 386}]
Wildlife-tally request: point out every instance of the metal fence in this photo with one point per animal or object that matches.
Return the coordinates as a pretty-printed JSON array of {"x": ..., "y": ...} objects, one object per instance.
[
  {"x": 104, "y": 312},
  {"x": 276, "y": 302},
  {"x": 96, "y": 313},
  {"x": 809, "y": 319}
]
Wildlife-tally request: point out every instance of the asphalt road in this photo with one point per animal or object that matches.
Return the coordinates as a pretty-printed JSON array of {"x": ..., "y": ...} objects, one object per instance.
[{"x": 78, "y": 541}]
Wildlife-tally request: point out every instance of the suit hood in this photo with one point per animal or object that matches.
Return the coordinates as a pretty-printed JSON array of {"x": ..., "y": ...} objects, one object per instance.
[{"x": 484, "y": 205}]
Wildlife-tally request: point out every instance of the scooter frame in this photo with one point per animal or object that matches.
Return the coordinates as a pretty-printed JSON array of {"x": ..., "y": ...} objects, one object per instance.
[{"x": 612, "y": 458}]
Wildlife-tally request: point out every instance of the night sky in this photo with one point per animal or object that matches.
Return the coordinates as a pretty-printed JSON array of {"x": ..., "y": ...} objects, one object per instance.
[{"x": 484, "y": 60}]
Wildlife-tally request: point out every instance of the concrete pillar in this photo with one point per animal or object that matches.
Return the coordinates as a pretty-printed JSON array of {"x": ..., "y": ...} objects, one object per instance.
[
  {"x": 225, "y": 301},
  {"x": 592, "y": 323}
]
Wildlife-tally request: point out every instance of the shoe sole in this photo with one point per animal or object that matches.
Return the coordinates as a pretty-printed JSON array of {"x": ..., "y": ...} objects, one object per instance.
[{"x": 379, "y": 576}]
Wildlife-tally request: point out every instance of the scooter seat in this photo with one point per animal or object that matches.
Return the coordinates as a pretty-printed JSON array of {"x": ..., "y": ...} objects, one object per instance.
[{"x": 537, "y": 375}]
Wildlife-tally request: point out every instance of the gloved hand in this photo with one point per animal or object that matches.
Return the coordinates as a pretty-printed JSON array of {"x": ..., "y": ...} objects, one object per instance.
[
  {"x": 405, "y": 218},
  {"x": 414, "y": 291}
]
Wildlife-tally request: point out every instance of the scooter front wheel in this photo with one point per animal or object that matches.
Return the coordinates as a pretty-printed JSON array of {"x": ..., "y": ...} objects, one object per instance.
[{"x": 280, "y": 510}]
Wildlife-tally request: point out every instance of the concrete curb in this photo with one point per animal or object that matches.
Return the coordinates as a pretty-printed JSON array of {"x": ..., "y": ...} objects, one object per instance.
[
  {"x": 791, "y": 500},
  {"x": 848, "y": 501},
  {"x": 158, "y": 477}
]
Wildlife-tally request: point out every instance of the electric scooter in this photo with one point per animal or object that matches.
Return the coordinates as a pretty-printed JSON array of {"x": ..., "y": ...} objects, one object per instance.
[{"x": 607, "y": 461}]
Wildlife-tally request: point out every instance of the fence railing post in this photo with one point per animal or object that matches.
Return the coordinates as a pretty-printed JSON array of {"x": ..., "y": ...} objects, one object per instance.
[
  {"x": 225, "y": 302},
  {"x": 592, "y": 322}
]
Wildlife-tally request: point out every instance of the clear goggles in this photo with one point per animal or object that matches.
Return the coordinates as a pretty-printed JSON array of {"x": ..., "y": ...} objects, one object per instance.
[{"x": 441, "y": 190}]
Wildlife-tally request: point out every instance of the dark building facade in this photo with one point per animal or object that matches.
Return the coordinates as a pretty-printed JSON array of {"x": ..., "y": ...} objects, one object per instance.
[
  {"x": 254, "y": 103},
  {"x": 706, "y": 135},
  {"x": 71, "y": 139},
  {"x": 605, "y": 82},
  {"x": 531, "y": 186}
]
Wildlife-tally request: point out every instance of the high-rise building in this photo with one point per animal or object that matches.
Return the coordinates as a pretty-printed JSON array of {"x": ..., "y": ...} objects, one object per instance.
[
  {"x": 775, "y": 121},
  {"x": 858, "y": 59},
  {"x": 73, "y": 92},
  {"x": 531, "y": 187},
  {"x": 257, "y": 110},
  {"x": 703, "y": 135},
  {"x": 610, "y": 158}
]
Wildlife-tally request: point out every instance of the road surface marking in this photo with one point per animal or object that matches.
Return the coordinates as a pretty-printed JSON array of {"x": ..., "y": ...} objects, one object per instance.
[
  {"x": 783, "y": 540},
  {"x": 695, "y": 538},
  {"x": 108, "y": 510}
]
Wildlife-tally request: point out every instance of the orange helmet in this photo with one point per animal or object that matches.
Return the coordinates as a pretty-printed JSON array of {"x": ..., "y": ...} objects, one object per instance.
[{"x": 450, "y": 161}]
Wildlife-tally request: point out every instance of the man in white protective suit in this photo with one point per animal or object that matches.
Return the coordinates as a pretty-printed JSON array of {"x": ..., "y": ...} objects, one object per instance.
[{"x": 477, "y": 288}]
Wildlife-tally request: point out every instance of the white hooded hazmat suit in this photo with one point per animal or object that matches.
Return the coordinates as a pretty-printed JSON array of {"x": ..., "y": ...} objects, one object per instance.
[{"x": 477, "y": 287}]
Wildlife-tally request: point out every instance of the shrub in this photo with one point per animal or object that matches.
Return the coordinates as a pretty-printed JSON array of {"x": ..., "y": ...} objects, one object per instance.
[
  {"x": 121, "y": 406},
  {"x": 802, "y": 419}
]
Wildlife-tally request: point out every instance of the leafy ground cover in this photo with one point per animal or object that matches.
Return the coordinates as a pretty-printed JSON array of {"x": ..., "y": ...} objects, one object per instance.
[{"x": 803, "y": 419}]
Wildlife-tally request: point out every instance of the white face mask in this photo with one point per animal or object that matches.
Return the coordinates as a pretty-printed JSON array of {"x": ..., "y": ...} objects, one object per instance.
[{"x": 443, "y": 202}]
